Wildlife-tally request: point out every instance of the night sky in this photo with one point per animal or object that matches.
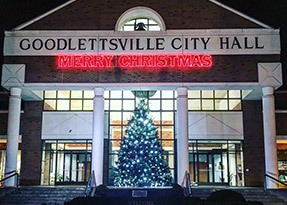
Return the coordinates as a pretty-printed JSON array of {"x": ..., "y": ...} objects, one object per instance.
[{"x": 270, "y": 12}]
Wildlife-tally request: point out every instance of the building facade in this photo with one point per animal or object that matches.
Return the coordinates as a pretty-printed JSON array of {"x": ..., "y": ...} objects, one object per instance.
[{"x": 75, "y": 75}]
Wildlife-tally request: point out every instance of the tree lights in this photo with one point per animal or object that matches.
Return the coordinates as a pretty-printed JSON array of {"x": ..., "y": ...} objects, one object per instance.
[{"x": 140, "y": 159}]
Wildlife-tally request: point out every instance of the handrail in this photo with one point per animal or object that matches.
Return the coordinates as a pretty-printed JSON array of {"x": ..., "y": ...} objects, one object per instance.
[
  {"x": 186, "y": 184},
  {"x": 273, "y": 178},
  {"x": 13, "y": 173},
  {"x": 90, "y": 185}
]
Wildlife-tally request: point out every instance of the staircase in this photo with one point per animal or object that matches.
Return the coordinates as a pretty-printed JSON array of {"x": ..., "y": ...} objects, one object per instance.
[
  {"x": 41, "y": 195},
  {"x": 250, "y": 194}
]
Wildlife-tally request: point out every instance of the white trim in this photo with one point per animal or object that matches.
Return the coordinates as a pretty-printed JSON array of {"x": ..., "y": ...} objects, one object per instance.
[
  {"x": 7, "y": 111},
  {"x": 43, "y": 15},
  {"x": 281, "y": 111},
  {"x": 255, "y": 94},
  {"x": 240, "y": 14},
  {"x": 281, "y": 137}
]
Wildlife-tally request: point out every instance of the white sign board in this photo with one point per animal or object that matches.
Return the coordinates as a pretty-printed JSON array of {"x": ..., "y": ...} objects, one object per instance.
[{"x": 215, "y": 42}]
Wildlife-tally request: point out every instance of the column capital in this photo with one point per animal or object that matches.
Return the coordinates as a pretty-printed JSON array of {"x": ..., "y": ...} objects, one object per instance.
[
  {"x": 268, "y": 91},
  {"x": 99, "y": 91},
  {"x": 181, "y": 91},
  {"x": 15, "y": 91}
]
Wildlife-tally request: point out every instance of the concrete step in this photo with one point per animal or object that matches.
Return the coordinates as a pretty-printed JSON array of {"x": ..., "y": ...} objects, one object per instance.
[{"x": 40, "y": 195}]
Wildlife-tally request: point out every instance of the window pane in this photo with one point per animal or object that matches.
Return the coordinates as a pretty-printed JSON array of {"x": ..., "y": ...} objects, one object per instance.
[
  {"x": 194, "y": 94},
  {"x": 106, "y": 94},
  {"x": 128, "y": 28},
  {"x": 166, "y": 132},
  {"x": 115, "y": 118},
  {"x": 154, "y": 28},
  {"x": 220, "y": 93},
  {"x": 234, "y": 94},
  {"x": 88, "y": 105},
  {"x": 194, "y": 104},
  {"x": 207, "y": 93},
  {"x": 116, "y": 132},
  {"x": 116, "y": 94},
  {"x": 89, "y": 94},
  {"x": 152, "y": 22},
  {"x": 156, "y": 95},
  {"x": 154, "y": 104},
  {"x": 116, "y": 105},
  {"x": 76, "y": 94},
  {"x": 141, "y": 20},
  {"x": 128, "y": 94},
  {"x": 63, "y": 94},
  {"x": 207, "y": 105},
  {"x": 234, "y": 104},
  {"x": 128, "y": 104},
  {"x": 76, "y": 104},
  {"x": 126, "y": 117},
  {"x": 50, "y": 105},
  {"x": 63, "y": 105},
  {"x": 107, "y": 104},
  {"x": 221, "y": 105},
  {"x": 167, "y": 117},
  {"x": 50, "y": 94},
  {"x": 155, "y": 117},
  {"x": 167, "y": 94},
  {"x": 167, "y": 104}
]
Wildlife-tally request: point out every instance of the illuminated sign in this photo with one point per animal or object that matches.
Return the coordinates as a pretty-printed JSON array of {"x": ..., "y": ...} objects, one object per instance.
[{"x": 134, "y": 61}]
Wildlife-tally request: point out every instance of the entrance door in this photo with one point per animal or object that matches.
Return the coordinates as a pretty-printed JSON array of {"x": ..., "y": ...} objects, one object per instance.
[
  {"x": 212, "y": 167},
  {"x": 74, "y": 167}
]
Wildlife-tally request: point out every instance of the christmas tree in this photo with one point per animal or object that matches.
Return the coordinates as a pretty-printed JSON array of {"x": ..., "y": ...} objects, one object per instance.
[{"x": 140, "y": 159}]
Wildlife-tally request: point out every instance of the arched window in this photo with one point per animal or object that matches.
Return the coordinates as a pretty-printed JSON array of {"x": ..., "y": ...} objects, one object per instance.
[{"x": 140, "y": 19}]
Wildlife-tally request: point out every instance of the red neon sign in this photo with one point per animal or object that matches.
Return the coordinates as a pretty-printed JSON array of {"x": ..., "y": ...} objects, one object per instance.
[{"x": 134, "y": 61}]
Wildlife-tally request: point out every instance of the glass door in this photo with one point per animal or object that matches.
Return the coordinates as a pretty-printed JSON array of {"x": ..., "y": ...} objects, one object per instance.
[
  {"x": 212, "y": 167},
  {"x": 74, "y": 167},
  {"x": 219, "y": 166}
]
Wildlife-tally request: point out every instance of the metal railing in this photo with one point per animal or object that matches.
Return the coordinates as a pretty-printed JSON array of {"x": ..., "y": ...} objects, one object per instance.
[
  {"x": 11, "y": 174},
  {"x": 273, "y": 178},
  {"x": 186, "y": 184},
  {"x": 91, "y": 185}
]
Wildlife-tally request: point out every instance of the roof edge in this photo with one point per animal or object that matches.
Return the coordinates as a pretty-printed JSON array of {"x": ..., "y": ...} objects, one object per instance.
[
  {"x": 240, "y": 14},
  {"x": 43, "y": 15}
]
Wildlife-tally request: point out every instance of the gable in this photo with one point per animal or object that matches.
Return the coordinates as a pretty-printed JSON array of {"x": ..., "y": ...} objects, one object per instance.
[{"x": 103, "y": 15}]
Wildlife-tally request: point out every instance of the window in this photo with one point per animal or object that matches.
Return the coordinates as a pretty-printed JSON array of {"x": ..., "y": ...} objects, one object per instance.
[
  {"x": 140, "y": 19},
  {"x": 214, "y": 100},
  {"x": 68, "y": 100}
]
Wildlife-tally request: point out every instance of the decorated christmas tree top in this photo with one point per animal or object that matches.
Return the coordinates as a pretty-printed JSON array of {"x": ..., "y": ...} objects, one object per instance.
[{"x": 140, "y": 160}]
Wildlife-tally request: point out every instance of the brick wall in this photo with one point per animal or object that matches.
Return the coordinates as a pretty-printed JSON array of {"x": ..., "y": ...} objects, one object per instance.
[
  {"x": 177, "y": 14},
  {"x": 3, "y": 123},
  {"x": 31, "y": 122},
  {"x": 225, "y": 69},
  {"x": 253, "y": 147},
  {"x": 281, "y": 123}
]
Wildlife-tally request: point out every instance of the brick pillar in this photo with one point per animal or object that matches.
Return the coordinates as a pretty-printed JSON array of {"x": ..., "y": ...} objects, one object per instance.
[{"x": 31, "y": 126}]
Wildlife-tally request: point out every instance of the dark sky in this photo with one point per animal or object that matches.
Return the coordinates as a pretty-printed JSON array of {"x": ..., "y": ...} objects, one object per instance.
[{"x": 270, "y": 12}]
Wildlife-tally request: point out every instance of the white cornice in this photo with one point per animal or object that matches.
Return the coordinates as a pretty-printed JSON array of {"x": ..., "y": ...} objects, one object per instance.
[
  {"x": 42, "y": 16},
  {"x": 240, "y": 14}
]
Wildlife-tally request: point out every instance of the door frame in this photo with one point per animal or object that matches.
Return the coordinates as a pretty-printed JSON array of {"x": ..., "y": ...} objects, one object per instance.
[
  {"x": 211, "y": 170},
  {"x": 87, "y": 164}
]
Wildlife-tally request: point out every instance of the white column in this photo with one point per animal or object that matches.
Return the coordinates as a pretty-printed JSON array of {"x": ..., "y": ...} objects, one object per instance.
[
  {"x": 270, "y": 146},
  {"x": 98, "y": 136},
  {"x": 12, "y": 134},
  {"x": 182, "y": 134}
]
